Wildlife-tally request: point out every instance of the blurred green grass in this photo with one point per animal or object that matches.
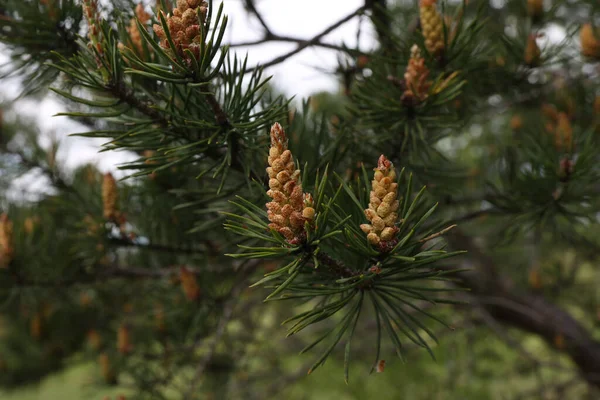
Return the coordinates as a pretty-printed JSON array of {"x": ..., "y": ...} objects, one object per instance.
[
  {"x": 465, "y": 369},
  {"x": 75, "y": 383}
]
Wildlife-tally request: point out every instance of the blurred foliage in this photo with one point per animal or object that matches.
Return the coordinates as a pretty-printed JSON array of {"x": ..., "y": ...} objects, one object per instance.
[{"x": 497, "y": 132}]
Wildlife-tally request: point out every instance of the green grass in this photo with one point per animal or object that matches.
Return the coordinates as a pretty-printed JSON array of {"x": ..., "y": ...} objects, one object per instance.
[{"x": 75, "y": 383}]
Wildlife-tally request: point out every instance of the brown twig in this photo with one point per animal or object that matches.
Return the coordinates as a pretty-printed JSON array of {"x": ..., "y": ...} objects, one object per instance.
[
  {"x": 437, "y": 234},
  {"x": 309, "y": 42}
]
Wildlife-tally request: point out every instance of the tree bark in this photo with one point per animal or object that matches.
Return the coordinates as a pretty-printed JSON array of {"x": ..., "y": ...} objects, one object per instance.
[{"x": 526, "y": 311}]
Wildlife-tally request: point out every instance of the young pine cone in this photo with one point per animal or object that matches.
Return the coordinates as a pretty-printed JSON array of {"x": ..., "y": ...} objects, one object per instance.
[
  {"x": 92, "y": 16},
  {"x": 290, "y": 208},
  {"x": 124, "y": 345},
  {"x": 189, "y": 284},
  {"x": 94, "y": 339},
  {"x": 383, "y": 206},
  {"x": 110, "y": 196},
  {"x": 432, "y": 26},
  {"x": 35, "y": 326},
  {"x": 532, "y": 52},
  {"x": 134, "y": 32},
  {"x": 415, "y": 78},
  {"x": 185, "y": 29},
  {"x": 535, "y": 8},
  {"x": 108, "y": 372},
  {"x": 6, "y": 241},
  {"x": 590, "y": 41},
  {"x": 563, "y": 136}
]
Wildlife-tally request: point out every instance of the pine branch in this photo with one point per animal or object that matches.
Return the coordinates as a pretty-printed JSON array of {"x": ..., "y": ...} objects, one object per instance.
[
  {"x": 252, "y": 8},
  {"x": 128, "y": 96},
  {"x": 335, "y": 266}
]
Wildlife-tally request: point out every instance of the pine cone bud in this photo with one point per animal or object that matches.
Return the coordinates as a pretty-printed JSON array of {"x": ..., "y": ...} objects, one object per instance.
[
  {"x": 532, "y": 52},
  {"x": 563, "y": 137},
  {"x": 94, "y": 339},
  {"x": 6, "y": 241},
  {"x": 291, "y": 208},
  {"x": 516, "y": 122},
  {"x": 550, "y": 112},
  {"x": 432, "y": 26},
  {"x": 107, "y": 370},
  {"x": 29, "y": 225},
  {"x": 565, "y": 169},
  {"x": 124, "y": 345},
  {"x": 535, "y": 8},
  {"x": 35, "y": 326},
  {"x": 92, "y": 16},
  {"x": 185, "y": 28},
  {"x": 590, "y": 41},
  {"x": 110, "y": 195},
  {"x": 159, "y": 318},
  {"x": 383, "y": 206},
  {"x": 559, "y": 341},
  {"x": 133, "y": 31},
  {"x": 415, "y": 78},
  {"x": 535, "y": 278},
  {"x": 189, "y": 284}
]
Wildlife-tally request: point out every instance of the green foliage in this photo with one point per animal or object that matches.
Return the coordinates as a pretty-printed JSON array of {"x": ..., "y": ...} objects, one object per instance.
[{"x": 181, "y": 287}]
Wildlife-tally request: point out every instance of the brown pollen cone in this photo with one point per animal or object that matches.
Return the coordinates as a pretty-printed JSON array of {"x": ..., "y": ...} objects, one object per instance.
[
  {"x": 35, "y": 326},
  {"x": 189, "y": 284},
  {"x": 29, "y": 224},
  {"x": 110, "y": 195},
  {"x": 133, "y": 31},
  {"x": 415, "y": 78},
  {"x": 291, "y": 208},
  {"x": 383, "y": 206},
  {"x": 6, "y": 241},
  {"x": 563, "y": 136},
  {"x": 532, "y": 52},
  {"x": 94, "y": 339},
  {"x": 590, "y": 41},
  {"x": 535, "y": 8},
  {"x": 107, "y": 370},
  {"x": 185, "y": 28},
  {"x": 516, "y": 122},
  {"x": 92, "y": 15},
  {"x": 159, "y": 318},
  {"x": 124, "y": 345},
  {"x": 432, "y": 26}
]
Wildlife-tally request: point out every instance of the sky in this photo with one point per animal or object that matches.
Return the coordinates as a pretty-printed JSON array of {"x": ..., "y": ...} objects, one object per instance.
[{"x": 300, "y": 75}]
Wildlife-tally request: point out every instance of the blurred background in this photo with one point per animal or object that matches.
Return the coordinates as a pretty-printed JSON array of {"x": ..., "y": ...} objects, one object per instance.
[{"x": 482, "y": 356}]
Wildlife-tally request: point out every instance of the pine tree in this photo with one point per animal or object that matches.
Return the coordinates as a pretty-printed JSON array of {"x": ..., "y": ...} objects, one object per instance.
[{"x": 453, "y": 182}]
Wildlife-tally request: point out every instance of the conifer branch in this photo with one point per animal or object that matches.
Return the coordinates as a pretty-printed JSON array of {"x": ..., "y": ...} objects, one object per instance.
[
  {"x": 252, "y": 8},
  {"x": 335, "y": 266}
]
